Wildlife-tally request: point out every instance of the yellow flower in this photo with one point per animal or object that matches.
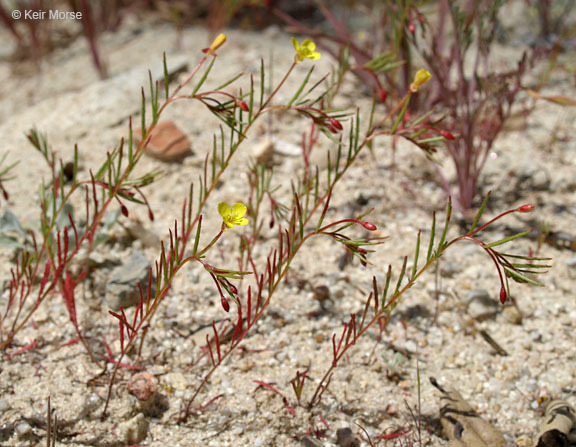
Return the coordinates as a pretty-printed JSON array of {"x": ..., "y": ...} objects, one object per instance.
[
  {"x": 306, "y": 50},
  {"x": 218, "y": 42},
  {"x": 233, "y": 216},
  {"x": 422, "y": 77}
]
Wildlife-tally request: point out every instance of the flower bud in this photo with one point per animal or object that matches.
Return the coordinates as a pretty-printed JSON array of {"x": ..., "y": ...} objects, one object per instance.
[
  {"x": 225, "y": 304},
  {"x": 217, "y": 43},
  {"x": 369, "y": 226},
  {"x": 335, "y": 123},
  {"x": 503, "y": 295},
  {"x": 243, "y": 106},
  {"x": 422, "y": 77},
  {"x": 382, "y": 95},
  {"x": 446, "y": 134},
  {"x": 411, "y": 27},
  {"x": 525, "y": 208}
]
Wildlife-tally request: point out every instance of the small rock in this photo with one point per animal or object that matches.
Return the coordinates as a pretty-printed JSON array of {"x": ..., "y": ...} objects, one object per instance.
[
  {"x": 309, "y": 441},
  {"x": 166, "y": 142},
  {"x": 448, "y": 269},
  {"x": 571, "y": 262},
  {"x": 480, "y": 305},
  {"x": 264, "y": 152},
  {"x": 512, "y": 315},
  {"x": 4, "y": 405},
  {"x": 122, "y": 289},
  {"x": 135, "y": 430},
  {"x": 23, "y": 429},
  {"x": 143, "y": 385},
  {"x": 176, "y": 381},
  {"x": 287, "y": 149},
  {"x": 346, "y": 438},
  {"x": 138, "y": 231},
  {"x": 321, "y": 292},
  {"x": 92, "y": 402}
]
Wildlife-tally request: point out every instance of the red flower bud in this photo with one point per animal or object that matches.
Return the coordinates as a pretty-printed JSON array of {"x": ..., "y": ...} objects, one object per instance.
[
  {"x": 124, "y": 210},
  {"x": 382, "y": 95},
  {"x": 225, "y": 304},
  {"x": 243, "y": 106},
  {"x": 525, "y": 208},
  {"x": 503, "y": 295},
  {"x": 335, "y": 123},
  {"x": 446, "y": 134},
  {"x": 369, "y": 226},
  {"x": 411, "y": 27}
]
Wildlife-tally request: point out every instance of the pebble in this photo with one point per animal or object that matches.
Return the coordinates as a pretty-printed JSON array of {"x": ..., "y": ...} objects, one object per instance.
[
  {"x": 122, "y": 289},
  {"x": 4, "y": 405},
  {"x": 480, "y": 305},
  {"x": 143, "y": 385},
  {"x": 135, "y": 430},
  {"x": 512, "y": 315},
  {"x": 167, "y": 142},
  {"x": 23, "y": 429}
]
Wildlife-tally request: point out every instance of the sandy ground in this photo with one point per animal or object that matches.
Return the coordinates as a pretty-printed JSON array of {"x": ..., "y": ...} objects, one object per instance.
[{"x": 376, "y": 386}]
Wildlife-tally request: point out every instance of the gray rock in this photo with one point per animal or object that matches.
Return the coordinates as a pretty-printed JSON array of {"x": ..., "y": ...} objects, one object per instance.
[
  {"x": 135, "y": 430},
  {"x": 480, "y": 305},
  {"x": 23, "y": 429},
  {"x": 122, "y": 289}
]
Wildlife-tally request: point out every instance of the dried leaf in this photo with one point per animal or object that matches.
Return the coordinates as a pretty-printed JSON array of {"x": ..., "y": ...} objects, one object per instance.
[{"x": 462, "y": 425}]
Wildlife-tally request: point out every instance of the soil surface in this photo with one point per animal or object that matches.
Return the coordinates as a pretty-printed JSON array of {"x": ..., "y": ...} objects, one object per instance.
[{"x": 382, "y": 385}]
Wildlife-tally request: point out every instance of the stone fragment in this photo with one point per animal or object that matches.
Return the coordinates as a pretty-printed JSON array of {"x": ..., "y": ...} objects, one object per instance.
[
  {"x": 512, "y": 315},
  {"x": 346, "y": 438},
  {"x": 166, "y": 142},
  {"x": 263, "y": 153},
  {"x": 135, "y": 430},
  {"x": 143, "y": 385},
  {"x": 480, "y": 305},
  {"x": 122, "y": 289}
]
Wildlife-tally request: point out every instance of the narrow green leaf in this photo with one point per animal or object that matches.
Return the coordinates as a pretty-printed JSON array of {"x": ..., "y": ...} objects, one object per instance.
[
  {"x": 197, "y": 238},
  {"x": 400, "y": 116},
  {"x": 75, "y": 165},
  {"x": 415, "y": 266},
  {"x": 143, "y": 112},
  {"x": 227, "y": 83},
  {"x": 518, "y": 277},
  {"x": 302, "y": 85},
  {"x": 508, "y": 239},
  {"x": 479, "y": 213},
  {"x": 527, "y": 258},
  {"x": 203, "y": 78},
  {"x": 446, "y": 224},
  {"x": 323, "y": 215},
  {"x": 262, "y": 83},
  {"x": 386, "y": 286},
  {"x": 401, "y": 276},
  {"x": 166, "y": 77},
  {"x": 432, "y": 234}
]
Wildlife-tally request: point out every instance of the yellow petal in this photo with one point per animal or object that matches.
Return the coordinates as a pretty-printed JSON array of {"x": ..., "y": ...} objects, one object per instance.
[
  {"x": 224, "y": 209},
  {"x": 229, "y": 224},
  {"x": 218, "y": 42},
  {"x": 309, "y": 45},
  {"x": 239, "y": 210},
  {"x": 315, "y": 55},
  {"x": 242, "y": 221},
  {"x": 295, "y": 43},
  {"x": 422, "y": 76}
]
